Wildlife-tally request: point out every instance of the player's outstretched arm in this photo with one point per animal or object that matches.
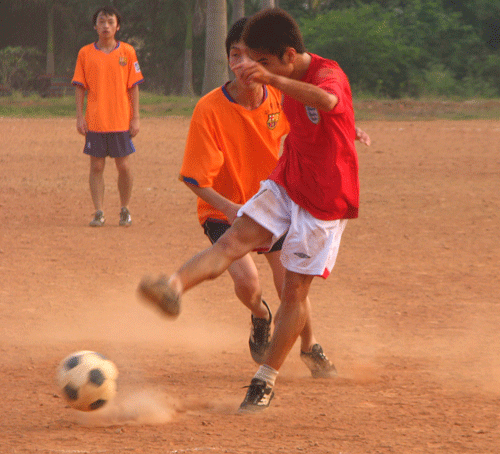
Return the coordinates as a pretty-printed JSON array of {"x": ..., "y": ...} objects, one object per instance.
[{"x": 305, "y": 93}]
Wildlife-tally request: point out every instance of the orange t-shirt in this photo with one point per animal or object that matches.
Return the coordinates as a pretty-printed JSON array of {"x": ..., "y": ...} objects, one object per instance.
[
  {"x": 231, "y": 149},
  {"x": 107, "y": 77}
]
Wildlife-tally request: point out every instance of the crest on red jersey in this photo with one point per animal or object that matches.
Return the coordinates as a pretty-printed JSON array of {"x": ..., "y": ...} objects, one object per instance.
[{"x": 313, "y": 114}]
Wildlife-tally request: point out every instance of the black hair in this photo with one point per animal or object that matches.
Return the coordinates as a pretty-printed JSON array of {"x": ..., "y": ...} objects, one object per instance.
[
  {"x": 108, "y": 11},
  {"x": 234, "y": 33},
  {"x": 272, "y": 30}
]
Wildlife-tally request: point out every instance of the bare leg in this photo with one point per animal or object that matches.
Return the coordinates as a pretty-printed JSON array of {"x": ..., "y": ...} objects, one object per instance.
[
  {"x": 247, "y": 287},
  {"x": 293, "y": 317},
  {"x": 125, "y": 180},
  {"x": 242, "y": 237},
  {"x": 96, "y": 181},
  {"x": 307, "y": 339}
]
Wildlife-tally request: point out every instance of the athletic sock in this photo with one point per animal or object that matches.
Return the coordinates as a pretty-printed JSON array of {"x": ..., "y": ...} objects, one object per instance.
[{"x": 266, "y": 373}]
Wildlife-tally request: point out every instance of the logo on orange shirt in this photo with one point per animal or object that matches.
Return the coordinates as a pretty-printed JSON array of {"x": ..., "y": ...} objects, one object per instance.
[
  {"x": 122, "y": 60},
  {"x": 272, "y": 120}
]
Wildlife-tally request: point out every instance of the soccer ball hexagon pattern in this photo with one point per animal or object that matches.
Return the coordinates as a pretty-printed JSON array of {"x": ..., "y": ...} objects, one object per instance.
[{"x": 87, "y": 380}]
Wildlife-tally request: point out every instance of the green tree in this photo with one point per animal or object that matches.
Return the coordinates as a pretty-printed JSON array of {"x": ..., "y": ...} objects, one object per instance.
[
  {"x": 19, "y": 66},
  {"x": 49, "y": 68},
  {"x": 387, "y": 47},
  {"x": 366, "y": 44},
  {"x": 450, "y": 49}
]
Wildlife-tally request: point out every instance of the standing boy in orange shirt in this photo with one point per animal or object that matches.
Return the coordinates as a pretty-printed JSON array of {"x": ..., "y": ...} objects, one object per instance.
[{"x": 109, "y": 72}]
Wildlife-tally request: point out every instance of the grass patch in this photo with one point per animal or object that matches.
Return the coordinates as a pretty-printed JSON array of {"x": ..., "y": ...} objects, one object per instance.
[
  {"x": 154, "y": 105},
  {"x": 17, "y": 105},
  {"x": 32, "y": 106},
  {"x": 410, "y": 110}
]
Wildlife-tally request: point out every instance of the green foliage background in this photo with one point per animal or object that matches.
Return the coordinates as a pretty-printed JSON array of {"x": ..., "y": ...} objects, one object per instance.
[{"x": 388, "y": 48}]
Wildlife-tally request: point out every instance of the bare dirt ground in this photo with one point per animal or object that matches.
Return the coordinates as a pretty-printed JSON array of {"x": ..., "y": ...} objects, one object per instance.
[{"x": 410, "y": 314}]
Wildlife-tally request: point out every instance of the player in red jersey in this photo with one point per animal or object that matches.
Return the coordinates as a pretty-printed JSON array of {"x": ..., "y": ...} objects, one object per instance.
[
  {"x": 233, "y": 144},
  {"x": 319, "y": 168},
  {"x": 108, "y": 71}
]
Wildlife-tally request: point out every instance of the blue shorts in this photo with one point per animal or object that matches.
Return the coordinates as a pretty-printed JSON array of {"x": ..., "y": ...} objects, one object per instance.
[
  {"x": 112, "y": 144},
  {"x": 215, "y": 228}
]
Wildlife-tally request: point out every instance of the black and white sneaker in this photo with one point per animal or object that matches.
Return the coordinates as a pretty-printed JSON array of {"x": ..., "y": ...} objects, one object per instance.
[
  {"x": 317, "y": 362},
  {"x": 98, "y": 220},
  {"x": 260, "y": 335},
  {"x": 258, "y": 398},
  {"x": 125, "y": 218}
]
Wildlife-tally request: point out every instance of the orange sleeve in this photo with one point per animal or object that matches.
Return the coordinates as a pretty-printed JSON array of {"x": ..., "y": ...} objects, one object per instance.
[
  {"x": 203, "y": 157},
  {"x": 79, "y": 76},
  {"x": 134, "y": 70}
]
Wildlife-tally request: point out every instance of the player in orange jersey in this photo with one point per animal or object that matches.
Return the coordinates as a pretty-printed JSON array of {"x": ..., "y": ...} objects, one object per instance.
[{"x": 108, "y": 71}]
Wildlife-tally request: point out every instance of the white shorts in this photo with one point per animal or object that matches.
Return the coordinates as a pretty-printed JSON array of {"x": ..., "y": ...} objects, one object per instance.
[{"x": 311, "y": 245}]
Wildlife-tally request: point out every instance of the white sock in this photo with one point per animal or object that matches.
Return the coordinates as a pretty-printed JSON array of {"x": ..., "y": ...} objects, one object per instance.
[{"x": 266, "y": 373}]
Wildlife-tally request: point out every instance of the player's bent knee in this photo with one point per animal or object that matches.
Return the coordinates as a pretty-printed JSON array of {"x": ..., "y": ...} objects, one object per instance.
[
  {"x": 249, "y": 287},
  {"x": 232, "y": 246}
]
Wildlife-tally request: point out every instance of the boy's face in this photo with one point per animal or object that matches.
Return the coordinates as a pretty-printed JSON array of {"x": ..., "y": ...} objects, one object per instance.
[
  {"x": 106, "y": 26},
  {"x": 238, "y": 53},
  {"x": 281, "y": 66}
]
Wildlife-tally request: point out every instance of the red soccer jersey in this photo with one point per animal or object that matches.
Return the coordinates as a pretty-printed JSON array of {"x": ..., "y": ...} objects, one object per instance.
[
  {"x": 107, "y": 77},
  {"x": 319, "y": 165}
]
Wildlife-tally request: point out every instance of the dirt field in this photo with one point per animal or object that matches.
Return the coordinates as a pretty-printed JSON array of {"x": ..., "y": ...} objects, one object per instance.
[{"x": 410, "y": 314}]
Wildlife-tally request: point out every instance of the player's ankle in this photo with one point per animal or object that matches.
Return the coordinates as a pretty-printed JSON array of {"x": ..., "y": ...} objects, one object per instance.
[{"x": 175, "y": 283}]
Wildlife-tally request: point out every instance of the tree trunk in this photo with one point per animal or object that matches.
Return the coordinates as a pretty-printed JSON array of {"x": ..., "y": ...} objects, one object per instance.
[
  {"x": 215, "y": 54},
  {"x": 50, "y": 37},
  {"x": 187, "y": 76},
  {"x": 187, "y": 82},
  {"x": 268, "y": 4},
  {"x": 238, "y": 10}
]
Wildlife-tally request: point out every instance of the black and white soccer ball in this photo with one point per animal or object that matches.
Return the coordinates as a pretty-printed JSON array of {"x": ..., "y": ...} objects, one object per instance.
[{"x": 87, "y": 380}]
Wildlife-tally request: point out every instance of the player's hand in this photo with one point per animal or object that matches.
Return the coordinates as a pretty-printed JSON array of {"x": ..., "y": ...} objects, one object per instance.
[
  {"x": 249, "y": 71},
  {"x": 81, "y": 126},
  {"x": 134, "y": 127},
  {"x": 363, "y": 137},
  {"x": 232, "y": 212}
]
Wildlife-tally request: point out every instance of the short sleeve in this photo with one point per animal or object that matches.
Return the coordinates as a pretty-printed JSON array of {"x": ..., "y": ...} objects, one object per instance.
[
  {"x": 203, "y": 157},
  {"x": 331, "y": 80},
  {"x": 135, "y": 75},
  {"x": 79, "y": 76}
]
